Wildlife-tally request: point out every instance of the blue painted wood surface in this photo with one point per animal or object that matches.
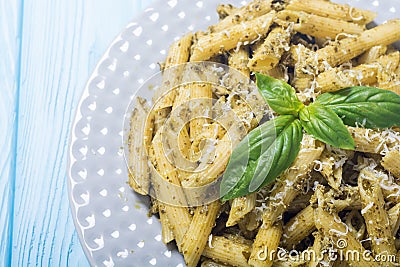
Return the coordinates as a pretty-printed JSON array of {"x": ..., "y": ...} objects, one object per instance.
[{"x": 47, "y": 49}]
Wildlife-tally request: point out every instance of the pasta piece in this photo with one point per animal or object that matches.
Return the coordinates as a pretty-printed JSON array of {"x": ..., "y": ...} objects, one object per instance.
[
  {"x": 278, "y": 72},
  {"x": 389, "y": 82},
  {"x": 304, "y": 68},
  {"x": 387, "y": 78},
  {"x": 390, "y": 189},
  {"x": 366, "y": 74},
  {"x": 166, "y": 231},
  {"x": 210, "y": 263},
  {"x": 225, "y": 10},
  {"x": 268, "y": 54},
  {"x": 300, "y": 202},
  {"x": 331, "y": 226},
  {"x": 160, "y": 116},
  {"x": 215, "y": 169},
  {"x": 288, "y": 262},
  {"x": 331, "y": 166},
  {"x": 234, "y": 36},
  {"x": 267, "y": 240},
  {"x": 373, "y": 141},
  {"x": 391, "y": 162},
  {"x": 226, "y": 251},
  {"x": 238, "y": 239},
  {"x": 205, "y": 141},
  {"x": 346, "y": 49},
  {"x": 178, "y": 216},
  {"x": 394, "y": 218},
  {"x": 250, "y": 223},
  {"x": 355, "y": 223},
  {"x": 178, "y": 53},
  {"x": 208, "y": 171},
  {"x": 196, "y": 237},
  {"x": 240, "y": 207},
  {"x": 140, "y": 134},
  {"x": 238, "y": 59},
  {"x": 298, "y": 228},
  {"x": 375, "y": 215},
  {"x": 331, "y": 10},
  {"x": 176, "y": 131},
  {"x": 248, "y": 12},
  {"x": 318, "y": 26},
  {"x": 372, "y": 54},
  {"x": 200, "y": 108},
  {"x": 318, "y": 250},
  {"x": 285, "y": 190}
]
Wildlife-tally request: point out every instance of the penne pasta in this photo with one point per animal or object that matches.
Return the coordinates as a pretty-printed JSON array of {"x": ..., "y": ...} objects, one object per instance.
[
  {"x": 139, "y": 137},
  {"x": 301, "y": 226},
  {"x": 365, "y": 74},
  {"x": 227, "y": 251},
  {"x": 268, "y": 54},
  {"x": 252, "y": 10},
  {"x": 238, "y": 59},
  {"x": 391, "y": 162},
  {"x": 240, "y": 207},
  {"x": 332, "y": 10},
  {"x": 234, "y": 36},
  {"x": 225, "y": 10},
  {"x": 373, "y": 141},
  {"x": 318, "y": 250},
  {"x": 287, "y": 262},
  {"x": 267, "y": 240},
  {"x": 331, "y": 226},
  {"x": 394, "y": 218},
  {"x": 278, "y": 72},
  {"x": 284, "y": 190},
  {"x": 214, "y": 169},
  {"x": 196, "y": 237},
  {"x": 346, "y": 49},
  {"x": 375, "y": 215},
  {"x": 372, "y": 54},
  {"x": 298, "y": 227},
  {"x": 331, "y": 167},
  {"x": 178, "y": 216},
  {"x": 210, "y": 263},
  {"x": 317, "y": 26},
  {"x": 178, "y": 53},
  {"x": 200, "y": 109},
  {"x": 166, "y": 231}
]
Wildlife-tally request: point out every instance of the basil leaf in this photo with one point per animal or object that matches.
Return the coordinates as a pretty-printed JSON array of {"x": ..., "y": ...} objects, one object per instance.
[
  {"x": 326, "y": 126},
  {"x": 366, "y": 106},
  {"x": 262, "y": 156},
  {"x": 280, "y": 96}
]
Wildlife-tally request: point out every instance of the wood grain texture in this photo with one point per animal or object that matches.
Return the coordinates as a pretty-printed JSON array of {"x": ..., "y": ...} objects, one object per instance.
[
  {"x": 10, "y": 21},
  {"x": 48, "y": 51}
]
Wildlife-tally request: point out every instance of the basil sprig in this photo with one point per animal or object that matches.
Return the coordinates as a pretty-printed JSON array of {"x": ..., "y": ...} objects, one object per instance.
[
  {"x": 280, "y": 96},
  {"x": 261, "y": 156},
  {"x": 364, "y": 106},
  {"x": 326, "y": 126},
  {"x": 267, "y": 151}
]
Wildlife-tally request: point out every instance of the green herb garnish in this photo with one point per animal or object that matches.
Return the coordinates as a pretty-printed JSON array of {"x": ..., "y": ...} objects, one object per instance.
[{"x": 268, "y": 150}]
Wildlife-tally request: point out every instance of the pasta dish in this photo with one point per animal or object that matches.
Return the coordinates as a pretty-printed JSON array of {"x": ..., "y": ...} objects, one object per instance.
[{"x": 242, "y": 149}]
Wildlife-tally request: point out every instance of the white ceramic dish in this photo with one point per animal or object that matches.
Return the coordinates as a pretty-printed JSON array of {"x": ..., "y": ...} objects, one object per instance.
[{"x": 110, "y": 219}]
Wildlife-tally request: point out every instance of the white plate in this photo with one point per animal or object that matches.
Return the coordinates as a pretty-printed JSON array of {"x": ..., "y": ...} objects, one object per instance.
[{"x": 110, "y": 219}]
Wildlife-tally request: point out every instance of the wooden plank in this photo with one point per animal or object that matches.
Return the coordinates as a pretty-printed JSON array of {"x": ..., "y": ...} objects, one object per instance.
[
  {"x": 10, "y": 21},
  {"x": 62, "y": 41}
]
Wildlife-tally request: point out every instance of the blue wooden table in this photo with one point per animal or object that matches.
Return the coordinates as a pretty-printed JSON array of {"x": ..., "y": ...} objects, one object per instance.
[{"x": 48, "y": 49}]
